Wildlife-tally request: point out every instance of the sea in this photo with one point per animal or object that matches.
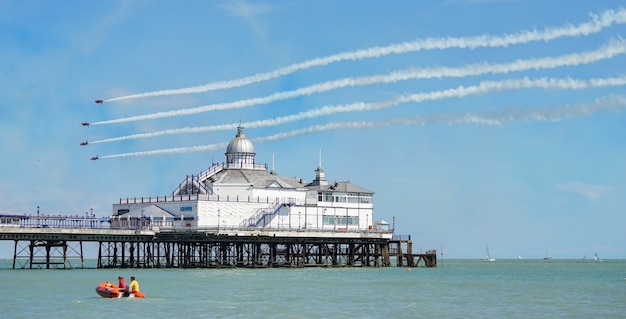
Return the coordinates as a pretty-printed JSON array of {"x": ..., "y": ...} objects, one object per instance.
[{"x": 455, "y": 289}]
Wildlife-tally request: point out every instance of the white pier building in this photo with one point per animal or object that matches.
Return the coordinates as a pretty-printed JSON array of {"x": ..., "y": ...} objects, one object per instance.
[{"x": 242, "y": 195}]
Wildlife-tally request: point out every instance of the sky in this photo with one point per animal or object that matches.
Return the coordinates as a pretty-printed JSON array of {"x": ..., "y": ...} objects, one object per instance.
[{"x": 476, "y": 123}]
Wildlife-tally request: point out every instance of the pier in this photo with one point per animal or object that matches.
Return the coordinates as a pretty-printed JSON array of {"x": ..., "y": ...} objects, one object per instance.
[
  {"x": 234, "y": 214},
  {"x": 62, "y": 248}
]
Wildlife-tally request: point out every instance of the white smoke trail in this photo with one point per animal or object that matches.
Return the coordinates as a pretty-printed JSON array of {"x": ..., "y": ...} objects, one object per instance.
[
  {"x": 612, "y": 103},
  {"x": 553, "y": 114},
  {"x": 605, "y": 52},
  {"x": 170, "y": 151},
  {"x": 460, "y": 91},
  {"x": 597, "y": 23}
]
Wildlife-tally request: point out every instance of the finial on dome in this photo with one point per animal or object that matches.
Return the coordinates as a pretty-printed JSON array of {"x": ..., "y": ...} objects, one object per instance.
[{"x": 239, "y": 129}]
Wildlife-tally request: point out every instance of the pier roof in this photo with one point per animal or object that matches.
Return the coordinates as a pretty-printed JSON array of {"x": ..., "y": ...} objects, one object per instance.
[
  {"x": 346, "y": 187},
  {"x": 256, "y": 178}
]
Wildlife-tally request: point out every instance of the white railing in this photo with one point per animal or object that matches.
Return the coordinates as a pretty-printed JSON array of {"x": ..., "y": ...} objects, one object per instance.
[
  {"x": 216, "y": 168},
  {"x": 187, "y": 197}
]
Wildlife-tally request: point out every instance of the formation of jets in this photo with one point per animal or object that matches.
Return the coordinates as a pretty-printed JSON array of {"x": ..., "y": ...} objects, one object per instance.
[{"x": 95, "y": 158}]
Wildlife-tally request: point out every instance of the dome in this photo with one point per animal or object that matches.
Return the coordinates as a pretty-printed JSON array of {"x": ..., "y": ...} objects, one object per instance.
[
  {"x": 240, "y": 144},
  {"x": 240, "y": 152}
]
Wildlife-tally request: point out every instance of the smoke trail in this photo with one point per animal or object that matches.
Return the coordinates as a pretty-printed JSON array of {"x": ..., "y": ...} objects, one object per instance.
[
  {"x": 597, "y": 23},
  {"x": 460, "y": 91},
  {"x": 615, "y": 103},
  {"x": 170, "y": 151},
  {"x": 553, "y": 114},
  {"x": 605, "y": 52}
]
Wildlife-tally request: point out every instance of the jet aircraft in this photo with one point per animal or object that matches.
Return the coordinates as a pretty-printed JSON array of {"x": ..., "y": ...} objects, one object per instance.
[
  {"x": 85, "y": 124},
  {"x": 95, "y": 158},
  {"x": 84, "y": 143}
]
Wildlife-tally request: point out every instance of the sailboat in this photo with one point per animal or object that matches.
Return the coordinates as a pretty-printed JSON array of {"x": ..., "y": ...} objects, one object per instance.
[
  {"x": 547, "y": 257},
  {"x": 595, "y": 256},
  {"x": 489, "y": 258}
]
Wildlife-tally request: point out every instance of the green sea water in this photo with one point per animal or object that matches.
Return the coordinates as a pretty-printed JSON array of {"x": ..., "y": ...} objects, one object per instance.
[{"x": 455, "y": 289}]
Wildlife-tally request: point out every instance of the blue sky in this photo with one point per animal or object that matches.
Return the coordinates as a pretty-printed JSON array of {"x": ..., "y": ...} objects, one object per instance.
[{"x": 515, "y": 142}]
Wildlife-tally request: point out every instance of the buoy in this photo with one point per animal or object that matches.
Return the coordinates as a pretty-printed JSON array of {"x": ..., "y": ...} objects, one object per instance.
[{"x": 408, "y": 269}]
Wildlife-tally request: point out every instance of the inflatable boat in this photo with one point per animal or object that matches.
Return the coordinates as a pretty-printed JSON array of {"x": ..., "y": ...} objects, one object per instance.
[{"x": 110, "y": 290}]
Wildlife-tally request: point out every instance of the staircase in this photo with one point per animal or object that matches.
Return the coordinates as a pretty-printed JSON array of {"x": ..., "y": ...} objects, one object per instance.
[
  {"x": 261, "y": 213},
  {"x": 187, "y": 186}
]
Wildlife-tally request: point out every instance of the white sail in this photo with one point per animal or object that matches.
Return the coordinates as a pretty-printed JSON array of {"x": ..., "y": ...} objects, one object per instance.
[{"x": 489, "y": 258}]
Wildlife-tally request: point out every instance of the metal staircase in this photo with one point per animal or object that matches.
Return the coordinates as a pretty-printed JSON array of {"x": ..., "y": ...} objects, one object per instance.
[
  {"x": 195, "y": 184},
  {"x": 261, "y": 213}
]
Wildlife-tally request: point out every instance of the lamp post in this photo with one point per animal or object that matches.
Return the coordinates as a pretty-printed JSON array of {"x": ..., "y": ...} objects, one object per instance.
[
  {"x": 299, "y": 220},
  {"x": 218, "y": 219},
  {"x": 37, "y": 216}
]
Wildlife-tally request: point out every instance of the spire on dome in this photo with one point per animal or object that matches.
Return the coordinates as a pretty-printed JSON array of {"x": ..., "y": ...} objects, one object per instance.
[{"x": 240, "y": 129}]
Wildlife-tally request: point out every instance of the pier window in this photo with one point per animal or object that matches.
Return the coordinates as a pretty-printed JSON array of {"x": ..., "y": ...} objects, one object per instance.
[
  {"x": 328, "y": 197},
  {"x": 9, "y": 221},
  {"x": 340, "y": 220},
  {"x": 344, "y": 198},
  {"x": 328, "y": 220},
  {"x": 365, "y": 198}
]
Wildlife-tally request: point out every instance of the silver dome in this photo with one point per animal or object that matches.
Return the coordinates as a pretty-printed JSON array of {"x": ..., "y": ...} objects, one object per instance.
[{"x": 240, "y": 144}]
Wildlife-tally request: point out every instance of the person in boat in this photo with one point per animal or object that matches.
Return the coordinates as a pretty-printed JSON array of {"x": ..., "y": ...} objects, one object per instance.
[
  {"x": 134, "y": 285},
  {"x": 121, "y": 282}
]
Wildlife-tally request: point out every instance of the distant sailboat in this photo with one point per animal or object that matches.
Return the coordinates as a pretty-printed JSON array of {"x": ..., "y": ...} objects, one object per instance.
[
  {"x": 595, "y": 256},
  {"x": 489, "y": 258},
  {"x": 547, "y": 257}
]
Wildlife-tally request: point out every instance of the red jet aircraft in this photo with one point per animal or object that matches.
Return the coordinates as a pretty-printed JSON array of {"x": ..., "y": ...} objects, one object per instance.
[
  {"x": 99, "y": 101},
  {"x": 85, "y": 123},
  {"x": 84, "y": 143},
  {"x": 94, "y": 158}
]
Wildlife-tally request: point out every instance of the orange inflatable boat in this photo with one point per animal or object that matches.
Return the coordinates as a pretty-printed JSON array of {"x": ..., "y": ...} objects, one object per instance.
[{"x": 110, "y": 290}]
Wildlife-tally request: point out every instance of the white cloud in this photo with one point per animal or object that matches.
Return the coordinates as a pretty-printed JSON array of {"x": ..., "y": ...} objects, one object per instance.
[{"x": 587, "y": 190}]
